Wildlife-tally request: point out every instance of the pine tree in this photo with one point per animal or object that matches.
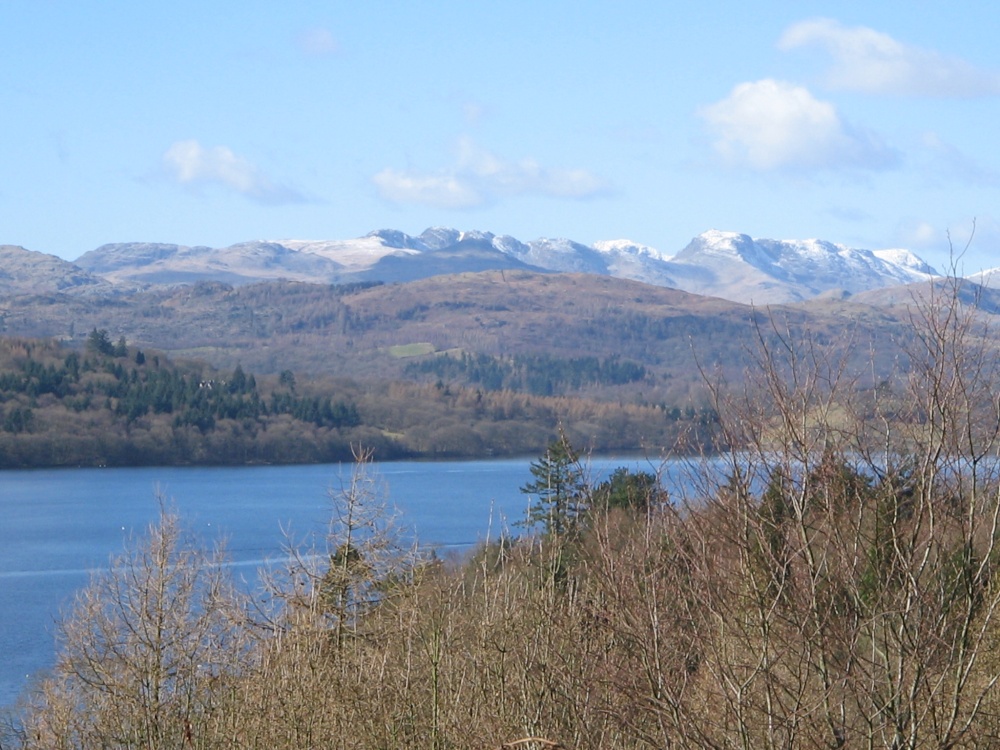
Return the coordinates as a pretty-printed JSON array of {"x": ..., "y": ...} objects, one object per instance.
[
  {"x": 560, "y": 489},
  {"x": 99, "y": 342}
]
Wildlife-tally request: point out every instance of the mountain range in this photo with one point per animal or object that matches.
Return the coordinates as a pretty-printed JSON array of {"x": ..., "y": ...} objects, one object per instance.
[
  {"x": 390, "y": 305},
  {"x": 729, "y": 265}
]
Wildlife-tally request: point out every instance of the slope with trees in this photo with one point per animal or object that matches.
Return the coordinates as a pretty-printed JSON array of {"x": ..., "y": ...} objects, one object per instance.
[
  {"x": 112, "y": 404},
  {"x": 833, "y": 585},
  {"x": 548, "y": 334}
]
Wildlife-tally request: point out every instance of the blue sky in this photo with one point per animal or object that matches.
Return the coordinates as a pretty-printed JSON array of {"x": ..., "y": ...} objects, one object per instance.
[{"x": 870, "y": 124}]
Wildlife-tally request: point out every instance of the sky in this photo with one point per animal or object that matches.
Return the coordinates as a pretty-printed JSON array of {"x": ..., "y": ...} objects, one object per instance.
[{"x": 873, "y": 125}]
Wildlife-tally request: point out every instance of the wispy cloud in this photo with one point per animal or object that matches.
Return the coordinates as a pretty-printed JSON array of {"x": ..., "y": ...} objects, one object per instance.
[
  {"x": 318, "y": 42},
  {"x": 870, "y": 61},
  {"x": 771, "y": 125},
  {"x": 851, "y": 214},
  {"x": 967, "y": 244},
  {"x": 190, "y": 163},
  {"x": 479, "y": 178},
  {"x": 438, "y": 190},
  {"x": 949, "y": 163},
  {"x": 473, "y": 112}
]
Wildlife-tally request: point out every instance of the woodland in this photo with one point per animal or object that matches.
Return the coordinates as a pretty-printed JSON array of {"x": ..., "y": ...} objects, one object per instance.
[
  {"x": 836, "y": 585},
  {"x": 467, "y": 365},
  {"x": 569, "y": 335},
  {"x": 112, "y": 404}
]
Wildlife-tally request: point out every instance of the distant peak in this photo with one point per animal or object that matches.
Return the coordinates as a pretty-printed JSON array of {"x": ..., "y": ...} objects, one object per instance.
[
  {"x": 716, "y": 236},
  {"x": 906, "y": 259},
  {"x": 435, "y": 238},
  {"x": 475, "y": 235},
  {"x": 510, "y": 245},
  {"x": 628, "y": 247},
  {"x": 729, "y": 244},
  {"x": 393, "y": 238}
]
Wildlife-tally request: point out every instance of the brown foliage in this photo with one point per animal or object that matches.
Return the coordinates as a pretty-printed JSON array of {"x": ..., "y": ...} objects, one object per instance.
[{"x": 833, "y": 584}]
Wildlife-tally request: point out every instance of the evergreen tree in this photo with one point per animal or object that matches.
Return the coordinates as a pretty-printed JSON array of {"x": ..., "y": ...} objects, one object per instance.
[
  {"x": 238, "y": 382},
  {"x": 99, "y": 342},
  {"x": 287, "y": 379},
  {"x": 560, "y": 489},
  {"x": 631, "y": 491}
]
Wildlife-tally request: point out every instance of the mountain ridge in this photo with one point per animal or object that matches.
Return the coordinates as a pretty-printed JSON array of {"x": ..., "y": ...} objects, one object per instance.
[{"x": 729, "y": 265}]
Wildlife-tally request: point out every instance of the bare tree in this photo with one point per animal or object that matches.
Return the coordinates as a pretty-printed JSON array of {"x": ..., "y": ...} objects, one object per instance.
[
  {"x": 142, "y": 650},
  {"x": 835, "y": 584},
  {"x": 860, "y": 597}
]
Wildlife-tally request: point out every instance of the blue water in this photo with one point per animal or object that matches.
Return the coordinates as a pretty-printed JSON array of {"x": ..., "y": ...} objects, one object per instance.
[{"x": 59, "y": 524}]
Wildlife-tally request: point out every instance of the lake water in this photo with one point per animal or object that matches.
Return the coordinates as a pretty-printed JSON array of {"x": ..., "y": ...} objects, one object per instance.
[{"x": 59, "y": 524}]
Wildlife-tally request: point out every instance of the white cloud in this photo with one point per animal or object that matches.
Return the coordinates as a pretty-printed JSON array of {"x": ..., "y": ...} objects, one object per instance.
[
  {"x": 190, "y": 163},
  {"x": 773, "y": 125},
  {"x": 921, "y": 235},
  {"x": 479, "y": 178},
  {"x": 870, "y": 61},
  {"x": 961, "y": 245},
  {"x": 318, "y": 42},
  {"x": 441, "y": 190}
]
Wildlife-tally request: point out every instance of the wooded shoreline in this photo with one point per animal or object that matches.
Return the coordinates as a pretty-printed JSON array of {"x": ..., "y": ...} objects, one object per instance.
[{"x": 115, "y": 405}]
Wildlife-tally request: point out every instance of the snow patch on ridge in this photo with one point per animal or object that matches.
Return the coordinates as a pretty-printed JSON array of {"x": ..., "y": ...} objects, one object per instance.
[
  {"x": 906, "y": 259},
  {"x": 627, "y": 247},
  {"x": 357, "y": 253},
  {"x": 717, "y": 263}
]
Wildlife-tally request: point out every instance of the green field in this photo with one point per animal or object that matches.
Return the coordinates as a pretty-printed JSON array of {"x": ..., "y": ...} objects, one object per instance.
[{"x": 419, "y": 349}]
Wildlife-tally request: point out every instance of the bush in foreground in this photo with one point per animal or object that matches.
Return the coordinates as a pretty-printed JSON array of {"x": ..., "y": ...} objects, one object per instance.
[{"x": 834, "y": 585}]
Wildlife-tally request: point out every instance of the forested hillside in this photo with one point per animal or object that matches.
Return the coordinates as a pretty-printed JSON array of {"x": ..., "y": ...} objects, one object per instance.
[
  {"x": 545, "y": 334},
  {"x": 832, "y": 584},
  {"x": 111, "y": 404}
]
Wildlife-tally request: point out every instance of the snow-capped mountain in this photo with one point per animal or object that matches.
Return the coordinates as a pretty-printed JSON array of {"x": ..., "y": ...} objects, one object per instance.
[
  {"x": 721, "y": 264},
  {"x": 737, "y": 267}
]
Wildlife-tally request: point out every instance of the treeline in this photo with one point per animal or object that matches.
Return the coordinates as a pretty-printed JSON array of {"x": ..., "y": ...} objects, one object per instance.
[
  {"x": 111, "y": 404},
  {"x": 833, "y": 608},
  {"x": 448, "y": 421},
  {"x": 136, "y": 389},
  {"x": 833, "y": 583},
  {"x": 539, "y": 374}
]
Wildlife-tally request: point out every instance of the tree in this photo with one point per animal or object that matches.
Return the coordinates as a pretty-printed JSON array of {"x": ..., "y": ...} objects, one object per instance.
[
  {"x": 560, "y": 490},
  {"x": 855, "y": 601},
  {"x": 142, "y": 649},
  {"x": 628, "y": 490},
  {"x": 99, "y": 342},
  {"x": 363, "y": 552},
  {"x": 287, "y": 379},
  {"x": 238, "y": 381}
]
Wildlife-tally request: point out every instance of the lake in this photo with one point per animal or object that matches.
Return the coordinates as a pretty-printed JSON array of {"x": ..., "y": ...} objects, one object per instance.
[{"x": 59, "y": 524}]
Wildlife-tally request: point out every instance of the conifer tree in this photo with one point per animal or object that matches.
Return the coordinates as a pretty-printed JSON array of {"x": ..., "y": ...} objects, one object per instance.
[{"x": 560, "y": 488}]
